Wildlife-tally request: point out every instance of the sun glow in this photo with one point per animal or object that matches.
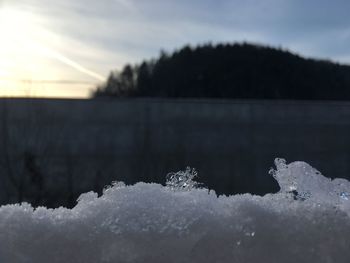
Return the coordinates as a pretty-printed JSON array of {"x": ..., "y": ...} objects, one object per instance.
[{"x": 27, "y": 56}]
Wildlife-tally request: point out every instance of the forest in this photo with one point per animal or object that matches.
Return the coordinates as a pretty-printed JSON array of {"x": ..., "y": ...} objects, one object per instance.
[{"x": 230, "y": 71}]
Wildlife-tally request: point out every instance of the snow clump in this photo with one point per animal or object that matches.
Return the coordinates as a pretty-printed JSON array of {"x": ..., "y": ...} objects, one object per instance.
[{"x": 308, "y": 220}]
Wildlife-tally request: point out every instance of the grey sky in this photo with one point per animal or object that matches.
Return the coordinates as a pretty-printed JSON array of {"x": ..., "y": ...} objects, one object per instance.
[{"x": 104, "y": 35}]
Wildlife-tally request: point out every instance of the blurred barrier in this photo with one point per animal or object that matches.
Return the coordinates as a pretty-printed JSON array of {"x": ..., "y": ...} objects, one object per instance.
[{"x": 52, "y": 150}]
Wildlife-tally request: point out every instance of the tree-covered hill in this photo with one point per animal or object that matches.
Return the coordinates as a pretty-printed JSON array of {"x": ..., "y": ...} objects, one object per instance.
[{"x": 230, "y": 71}]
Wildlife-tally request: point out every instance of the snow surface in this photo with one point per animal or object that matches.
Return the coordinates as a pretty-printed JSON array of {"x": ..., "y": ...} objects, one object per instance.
[{"x": 307, "y": 221}]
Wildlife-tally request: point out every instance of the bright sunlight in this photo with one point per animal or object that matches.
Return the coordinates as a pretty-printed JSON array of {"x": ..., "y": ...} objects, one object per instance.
[{"x": 30, "y": 66}]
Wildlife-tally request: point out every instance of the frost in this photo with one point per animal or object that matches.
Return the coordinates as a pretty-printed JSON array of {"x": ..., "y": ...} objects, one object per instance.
[
  {"x": 308, "y": 220},
  {"x": 182, "y": 180},
  {"x": 306, "y": 183},
  {"x": 114, "y": 185},
  {"x": 344, "y": 195}
]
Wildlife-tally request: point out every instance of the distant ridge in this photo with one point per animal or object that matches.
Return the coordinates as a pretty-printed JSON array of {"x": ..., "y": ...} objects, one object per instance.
[{"x": 237, "y": 71}]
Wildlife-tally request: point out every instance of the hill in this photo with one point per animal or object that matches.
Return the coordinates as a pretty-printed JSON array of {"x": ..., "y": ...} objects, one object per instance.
[{"x": 231, "y": 71}]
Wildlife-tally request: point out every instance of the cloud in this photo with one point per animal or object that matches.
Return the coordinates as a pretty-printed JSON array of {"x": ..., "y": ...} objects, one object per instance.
[
  {"x": 133, "y": 30},
  {"x": 62, "y": 58},
  {"x": 105, "y": 35}
]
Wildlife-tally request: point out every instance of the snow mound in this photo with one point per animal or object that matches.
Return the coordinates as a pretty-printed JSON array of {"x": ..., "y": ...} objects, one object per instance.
[{"x": 307, "y": 221}]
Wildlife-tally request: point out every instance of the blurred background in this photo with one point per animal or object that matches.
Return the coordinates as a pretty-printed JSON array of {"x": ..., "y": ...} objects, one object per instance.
[{"x": 124, "y": 90}]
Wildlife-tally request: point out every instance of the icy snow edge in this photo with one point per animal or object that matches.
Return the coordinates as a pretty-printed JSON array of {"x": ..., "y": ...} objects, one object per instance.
[{"x": 307, "y": 221}]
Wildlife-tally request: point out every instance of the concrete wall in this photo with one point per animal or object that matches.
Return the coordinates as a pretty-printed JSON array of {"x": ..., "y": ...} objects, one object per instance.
[{"x": 80, "y": 145}]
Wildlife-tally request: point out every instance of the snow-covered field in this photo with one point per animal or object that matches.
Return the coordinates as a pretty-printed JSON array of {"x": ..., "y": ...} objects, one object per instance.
[{"x": 307, "y": 221}]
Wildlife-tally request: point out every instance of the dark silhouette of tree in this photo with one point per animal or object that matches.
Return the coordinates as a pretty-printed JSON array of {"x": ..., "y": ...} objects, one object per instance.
[
  {"x": 231, "y": 71},
  {"x": 121, "y": 84},
  {"x": 144, "y": 79}
]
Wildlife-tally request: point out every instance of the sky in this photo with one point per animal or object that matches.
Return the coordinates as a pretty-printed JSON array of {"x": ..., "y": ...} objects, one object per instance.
[{"x": 66, "y": 48}]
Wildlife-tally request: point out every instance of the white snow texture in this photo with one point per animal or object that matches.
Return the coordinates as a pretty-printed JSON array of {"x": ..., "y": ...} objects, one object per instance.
[{"x": 307, "y": 221}]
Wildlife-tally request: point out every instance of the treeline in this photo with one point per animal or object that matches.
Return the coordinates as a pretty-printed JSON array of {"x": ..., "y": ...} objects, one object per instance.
[{"x": 230, "y": 71}]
